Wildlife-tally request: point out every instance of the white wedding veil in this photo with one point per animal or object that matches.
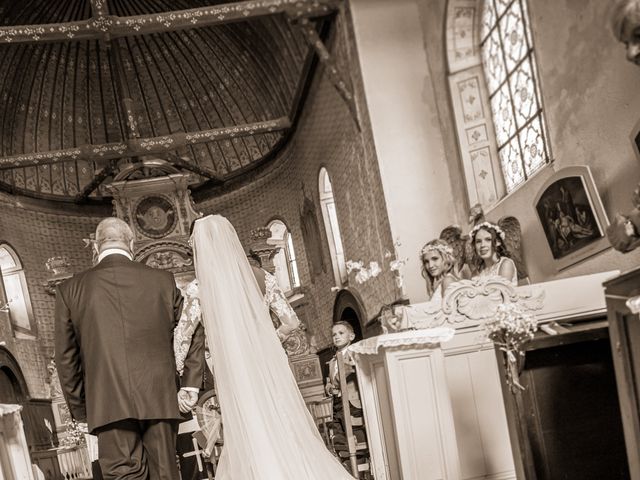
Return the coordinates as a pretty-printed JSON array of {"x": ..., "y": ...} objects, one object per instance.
[{"x": 268, "y": 431}]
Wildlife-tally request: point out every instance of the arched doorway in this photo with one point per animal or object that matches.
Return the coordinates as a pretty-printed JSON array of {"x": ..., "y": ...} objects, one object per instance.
[
  {"x": 9, "y": 390},
  {"x": 347, "y": 307},
  {"x": 13, "y": 387}
]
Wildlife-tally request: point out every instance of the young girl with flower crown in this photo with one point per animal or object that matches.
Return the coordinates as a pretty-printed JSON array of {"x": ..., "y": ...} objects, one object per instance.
[
  {"x": 490, "y": 254},
  {"x": 437, "y": 267}
]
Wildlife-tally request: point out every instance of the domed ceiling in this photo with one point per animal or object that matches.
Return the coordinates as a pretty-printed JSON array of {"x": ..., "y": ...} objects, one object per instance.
[{"x": 89, "y": 86}]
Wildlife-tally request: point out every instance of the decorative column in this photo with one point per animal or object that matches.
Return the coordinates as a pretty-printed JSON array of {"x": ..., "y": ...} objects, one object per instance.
[
  {"x": 59, "y": 267},
  {"x": 14, "y": 452},
  {"x": 261, "y": 250},
  {"x": 61, "y": 414}
]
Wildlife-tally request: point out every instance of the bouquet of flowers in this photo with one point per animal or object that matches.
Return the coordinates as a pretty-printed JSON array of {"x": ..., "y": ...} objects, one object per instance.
[
  {"x": 74, "y": 434},
  {"x": 510, "y": 329}
]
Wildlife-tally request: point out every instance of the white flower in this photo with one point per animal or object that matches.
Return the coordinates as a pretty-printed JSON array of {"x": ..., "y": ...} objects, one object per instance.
[
  {"x": 351, "y": 265},
  {"x": 396, "y": 265},
  {"x": 374, "y": 269},
  {"x": 362, "y": 276}
]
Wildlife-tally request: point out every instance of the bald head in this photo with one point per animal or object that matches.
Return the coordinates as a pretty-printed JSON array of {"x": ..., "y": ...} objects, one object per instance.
[{"x": 114, "y": 233}]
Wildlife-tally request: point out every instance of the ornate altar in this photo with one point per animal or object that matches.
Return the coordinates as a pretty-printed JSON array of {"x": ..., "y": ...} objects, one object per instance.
[
  {"x": 154, "y": 199},
  {"x": 470, "y": 402}
]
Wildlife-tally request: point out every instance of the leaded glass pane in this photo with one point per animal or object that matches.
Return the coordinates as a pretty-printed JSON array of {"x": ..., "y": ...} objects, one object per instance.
[
  {"x": 511, "y": 75},
  {"x": 488, "y": 19},
  {"x": 527, "y": 21},
  {"x": 532, "y": 141},
  {"x": 513, "y": 36},
  {"x": 493, "y": 62},
  {"x": 523, "y": 90},
  {"x": 502, "y": 5},
  {"x": 511, "y": 163},
  {"x": 503, "y": 115}
]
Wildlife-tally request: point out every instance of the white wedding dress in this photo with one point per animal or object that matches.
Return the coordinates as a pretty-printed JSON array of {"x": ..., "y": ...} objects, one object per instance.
[{"x": 268, "y": 431}]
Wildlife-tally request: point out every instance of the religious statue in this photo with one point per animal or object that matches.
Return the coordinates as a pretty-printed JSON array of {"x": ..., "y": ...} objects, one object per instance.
[{"x": 624, "y": 231}]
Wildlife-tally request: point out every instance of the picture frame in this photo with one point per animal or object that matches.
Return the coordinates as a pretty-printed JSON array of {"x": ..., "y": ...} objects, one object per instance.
[
  {"x": 634, "y": 137},
  {"x": 572, "y": 216}
]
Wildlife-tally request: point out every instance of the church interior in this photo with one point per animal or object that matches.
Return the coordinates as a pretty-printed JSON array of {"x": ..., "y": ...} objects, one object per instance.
[{"x": 339, "y": 137}]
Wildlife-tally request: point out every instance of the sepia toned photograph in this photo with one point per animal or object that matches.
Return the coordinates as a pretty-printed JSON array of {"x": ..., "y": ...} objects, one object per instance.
[{"x": 319, "y": 239}]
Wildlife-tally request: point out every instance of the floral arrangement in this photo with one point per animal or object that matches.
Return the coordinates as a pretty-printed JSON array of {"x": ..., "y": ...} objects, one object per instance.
[
  {"x": 510, "y": 329},
  {"x": 74, "y": 434},
  {"x": 364, "y": 273}
]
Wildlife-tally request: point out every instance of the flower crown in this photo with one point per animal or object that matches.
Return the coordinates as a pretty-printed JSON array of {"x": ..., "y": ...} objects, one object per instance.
[
  {"x": 441, "y": 249},
  {"x": 488, "y": 226}
]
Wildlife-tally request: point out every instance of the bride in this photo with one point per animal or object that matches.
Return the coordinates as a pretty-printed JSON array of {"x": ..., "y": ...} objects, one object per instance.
[{"x": 269, "y": 433}]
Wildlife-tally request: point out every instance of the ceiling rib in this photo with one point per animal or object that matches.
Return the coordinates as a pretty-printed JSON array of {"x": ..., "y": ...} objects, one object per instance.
[
  {"x": 142, "y": 146},
  {"x": 103, "y": 26}
]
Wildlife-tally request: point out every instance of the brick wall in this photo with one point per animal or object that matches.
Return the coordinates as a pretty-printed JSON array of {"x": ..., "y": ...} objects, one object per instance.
[
  {"x": 36, "y": 236},
  {"x": 327, "y": 136}
]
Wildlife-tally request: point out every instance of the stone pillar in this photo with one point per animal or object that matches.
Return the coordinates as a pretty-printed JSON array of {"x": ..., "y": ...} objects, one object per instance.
[
  {"x": 261, "y": 250},
  {"x": 14, "y": 452}
]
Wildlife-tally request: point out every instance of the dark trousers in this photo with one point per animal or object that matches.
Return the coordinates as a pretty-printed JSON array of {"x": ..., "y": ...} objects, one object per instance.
[{"x": 138, "y": 450}]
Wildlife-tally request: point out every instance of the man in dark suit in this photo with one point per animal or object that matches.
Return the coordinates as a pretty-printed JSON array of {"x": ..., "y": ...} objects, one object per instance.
[{"x": 114, "y": 353}]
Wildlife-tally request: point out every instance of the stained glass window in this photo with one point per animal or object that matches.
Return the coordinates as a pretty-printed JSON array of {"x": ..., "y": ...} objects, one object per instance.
[{"x": 510, "y": 71}]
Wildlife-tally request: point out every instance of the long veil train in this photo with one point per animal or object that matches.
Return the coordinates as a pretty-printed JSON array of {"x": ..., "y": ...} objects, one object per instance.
[{"x": 269, "y": 434}]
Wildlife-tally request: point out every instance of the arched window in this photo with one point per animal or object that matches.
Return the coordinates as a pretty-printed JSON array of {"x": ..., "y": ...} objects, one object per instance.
[
  {"x": 14, "y": 290},
  {"x": 510, "y": 71},
  {"x": 496, "y": 96},
  {"x": 285, "y": 260},
  {"x": 328, "y": 206}
]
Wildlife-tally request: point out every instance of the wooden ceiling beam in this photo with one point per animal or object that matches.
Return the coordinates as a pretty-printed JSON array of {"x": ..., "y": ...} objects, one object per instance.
[
  {"x": 102, "y": 25},
  {"x": 142, "y": 146},
  {"x": 99, "y": 177}
]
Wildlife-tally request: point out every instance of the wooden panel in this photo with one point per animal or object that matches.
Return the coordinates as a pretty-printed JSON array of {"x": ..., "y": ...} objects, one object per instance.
[
  {"x": 36, "y": 414},
  {"x": 422, "y": 414},
  {"x": 478, "y": 410},
  {"x": 569, "y": 417},
  {"x": 624, "y": 328}
]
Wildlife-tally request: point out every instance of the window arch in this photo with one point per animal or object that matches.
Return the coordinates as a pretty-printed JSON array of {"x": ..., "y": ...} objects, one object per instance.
[
  {"x": 285, "y": 260},
  {"x": 330, "y": 217},
  {"x": 14, "y": 290},
  {"x": 496, "y": 96}
]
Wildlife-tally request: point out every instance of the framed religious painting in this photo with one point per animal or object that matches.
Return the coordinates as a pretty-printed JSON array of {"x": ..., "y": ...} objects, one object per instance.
[
  {"x": 572, "y": 216},
  {"x": 635, "y": 139}
]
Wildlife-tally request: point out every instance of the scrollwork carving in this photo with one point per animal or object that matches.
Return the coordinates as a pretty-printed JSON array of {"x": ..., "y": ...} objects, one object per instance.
[{"x": 466, "y": 303}]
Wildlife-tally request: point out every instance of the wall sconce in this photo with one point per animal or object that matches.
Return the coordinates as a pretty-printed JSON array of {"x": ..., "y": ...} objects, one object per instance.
[{"x": 59, "y": 266}]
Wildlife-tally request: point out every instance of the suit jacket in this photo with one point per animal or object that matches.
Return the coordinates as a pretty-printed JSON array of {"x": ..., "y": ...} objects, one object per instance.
[{"x": 114, "y": 343}]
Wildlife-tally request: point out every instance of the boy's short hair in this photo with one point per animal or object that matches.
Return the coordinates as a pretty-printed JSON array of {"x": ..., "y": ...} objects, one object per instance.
[{"x": 345, "y": 324}]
